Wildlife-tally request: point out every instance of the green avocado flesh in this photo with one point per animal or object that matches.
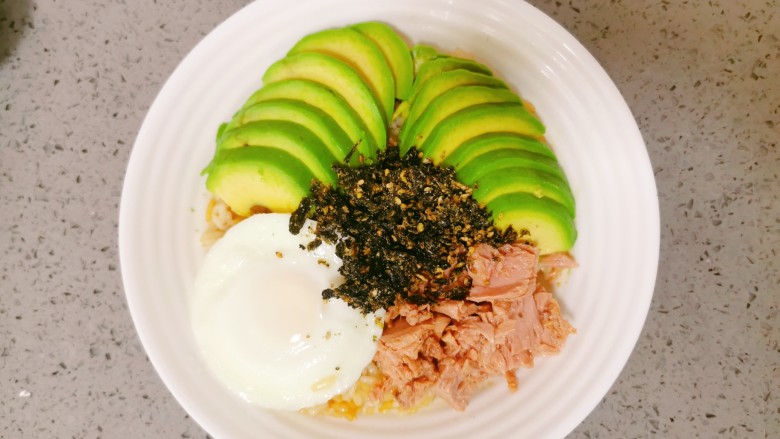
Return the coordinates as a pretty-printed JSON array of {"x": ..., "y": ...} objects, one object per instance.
[
  {"x": 439, "y": 84},
  {"x": 396, "y": 53},
  {"x": 547, "y": 223},
  {"x": 339, "y": 77},
  {"x": 475, "y": 121},
  {"x": 357, "y": 51},
  {"x": 315, "y": 120},
  {"x": 519, "y": 179},
  {"x": 287, "y": 136},
  {"x": 321, "y": 97},
  {"x": 498, "y": 159},
  {"x": 448, "y": 103},
  {"x": 440, "y": 64},
  {"x": 493, "y": 141},
  {"x": 421, "y": 54},
  {"x": 258, "y": 176}
]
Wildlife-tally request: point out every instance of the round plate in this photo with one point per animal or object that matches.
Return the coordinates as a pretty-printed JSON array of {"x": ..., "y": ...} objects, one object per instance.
[{"x": 588, "y": 124}]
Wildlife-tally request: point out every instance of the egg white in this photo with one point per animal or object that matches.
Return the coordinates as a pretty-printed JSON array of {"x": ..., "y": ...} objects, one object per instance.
[{"x": 262, "y": 326}]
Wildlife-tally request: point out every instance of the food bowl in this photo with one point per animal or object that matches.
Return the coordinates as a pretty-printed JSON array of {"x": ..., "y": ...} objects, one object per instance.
[{"x": 588, "y": 124}]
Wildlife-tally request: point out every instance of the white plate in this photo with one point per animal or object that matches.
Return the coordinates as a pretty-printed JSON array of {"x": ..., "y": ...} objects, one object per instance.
[{"x": 589, "y": 126}]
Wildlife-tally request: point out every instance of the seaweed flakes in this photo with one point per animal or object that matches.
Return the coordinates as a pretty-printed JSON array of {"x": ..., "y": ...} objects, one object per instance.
[{"x": 403, "y": 228}]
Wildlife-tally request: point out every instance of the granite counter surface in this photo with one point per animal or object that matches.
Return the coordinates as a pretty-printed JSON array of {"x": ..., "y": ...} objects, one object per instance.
[{"x": 701, "y": 79}]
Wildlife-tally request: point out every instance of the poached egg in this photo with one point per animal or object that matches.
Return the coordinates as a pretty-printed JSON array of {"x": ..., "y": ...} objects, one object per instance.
[{"x": 261, "y": 323}]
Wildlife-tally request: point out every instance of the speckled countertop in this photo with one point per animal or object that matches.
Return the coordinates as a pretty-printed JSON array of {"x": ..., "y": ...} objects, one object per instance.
[{"x": 703, "y": 82}]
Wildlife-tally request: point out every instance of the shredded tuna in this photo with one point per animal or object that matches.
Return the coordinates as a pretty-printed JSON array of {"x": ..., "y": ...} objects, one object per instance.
[
  {"x": 504, "y": 273},
  {"x": 555, "y": 264},
  {"x": 413, "y": 314},
  {"x": 452, "y": 347},
  {"x": 455, "y": 309},
  {"x": 557, "y": 260}
]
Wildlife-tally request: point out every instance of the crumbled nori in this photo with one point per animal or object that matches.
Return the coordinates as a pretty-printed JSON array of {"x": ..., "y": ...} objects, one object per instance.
[{"x": 403, "y": 228}]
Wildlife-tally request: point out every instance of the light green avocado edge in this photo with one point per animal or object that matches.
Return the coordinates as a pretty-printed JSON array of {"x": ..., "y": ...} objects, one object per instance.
[
  {"x": 361, "y": 54},
  {"x": 490, "y": 161},
  {"x": 541, "y": 221},
  {"x": 422, "y": 53},
  {"x": 523, "y": 179},
  {"x": 329, "y": 102},
  {"x": 439, "y": 84},
  {"x": 396, "y": 53},
  {"x": 341, "y": 79},
  {"x": 474, "y": 121},
  {"x": 287, "y": 136},
  {"x": 259, "y": 176},
  {"x": 448, "y": 103},
  {"x": 440, "y": 64},
  {"x": 493, "y": 141},
  {"x": 315, "y": 120}
]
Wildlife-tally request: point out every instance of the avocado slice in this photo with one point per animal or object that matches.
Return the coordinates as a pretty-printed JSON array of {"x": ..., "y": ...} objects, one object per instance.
[
  {"x": 287, "y": 136},
  {"x": 259, "y": 176},
  {"x": 470, "y": 172},
  {"x": 220, "y": 130},
  {"x": 474, "y": 121},
  {"x": 521, "y": 179},
  {"x": 401, "y": 112},
  {"x": 315, "y": 120},
  {"x": 448, "y": 103},
  {"x": 444, "y": 82},
  {"x": 357, "y": 51},
  {"x": 440, "y": 64},
  {"x": 493, "y": 141},
  {"x": 327, "y": 101},
  {"x": 421, "y": 54},
  {"x": 341, "y": 79},
  {"x": 541, "y": 221},
  {"x": 396, "y": 53}
]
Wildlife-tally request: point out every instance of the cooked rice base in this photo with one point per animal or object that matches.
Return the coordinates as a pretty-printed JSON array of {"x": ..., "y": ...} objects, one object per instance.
[{"x": 366, "y": 397}]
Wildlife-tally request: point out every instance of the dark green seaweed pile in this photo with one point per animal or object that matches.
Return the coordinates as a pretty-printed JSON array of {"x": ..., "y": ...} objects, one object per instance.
[{"x": 403, "y": 228}]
